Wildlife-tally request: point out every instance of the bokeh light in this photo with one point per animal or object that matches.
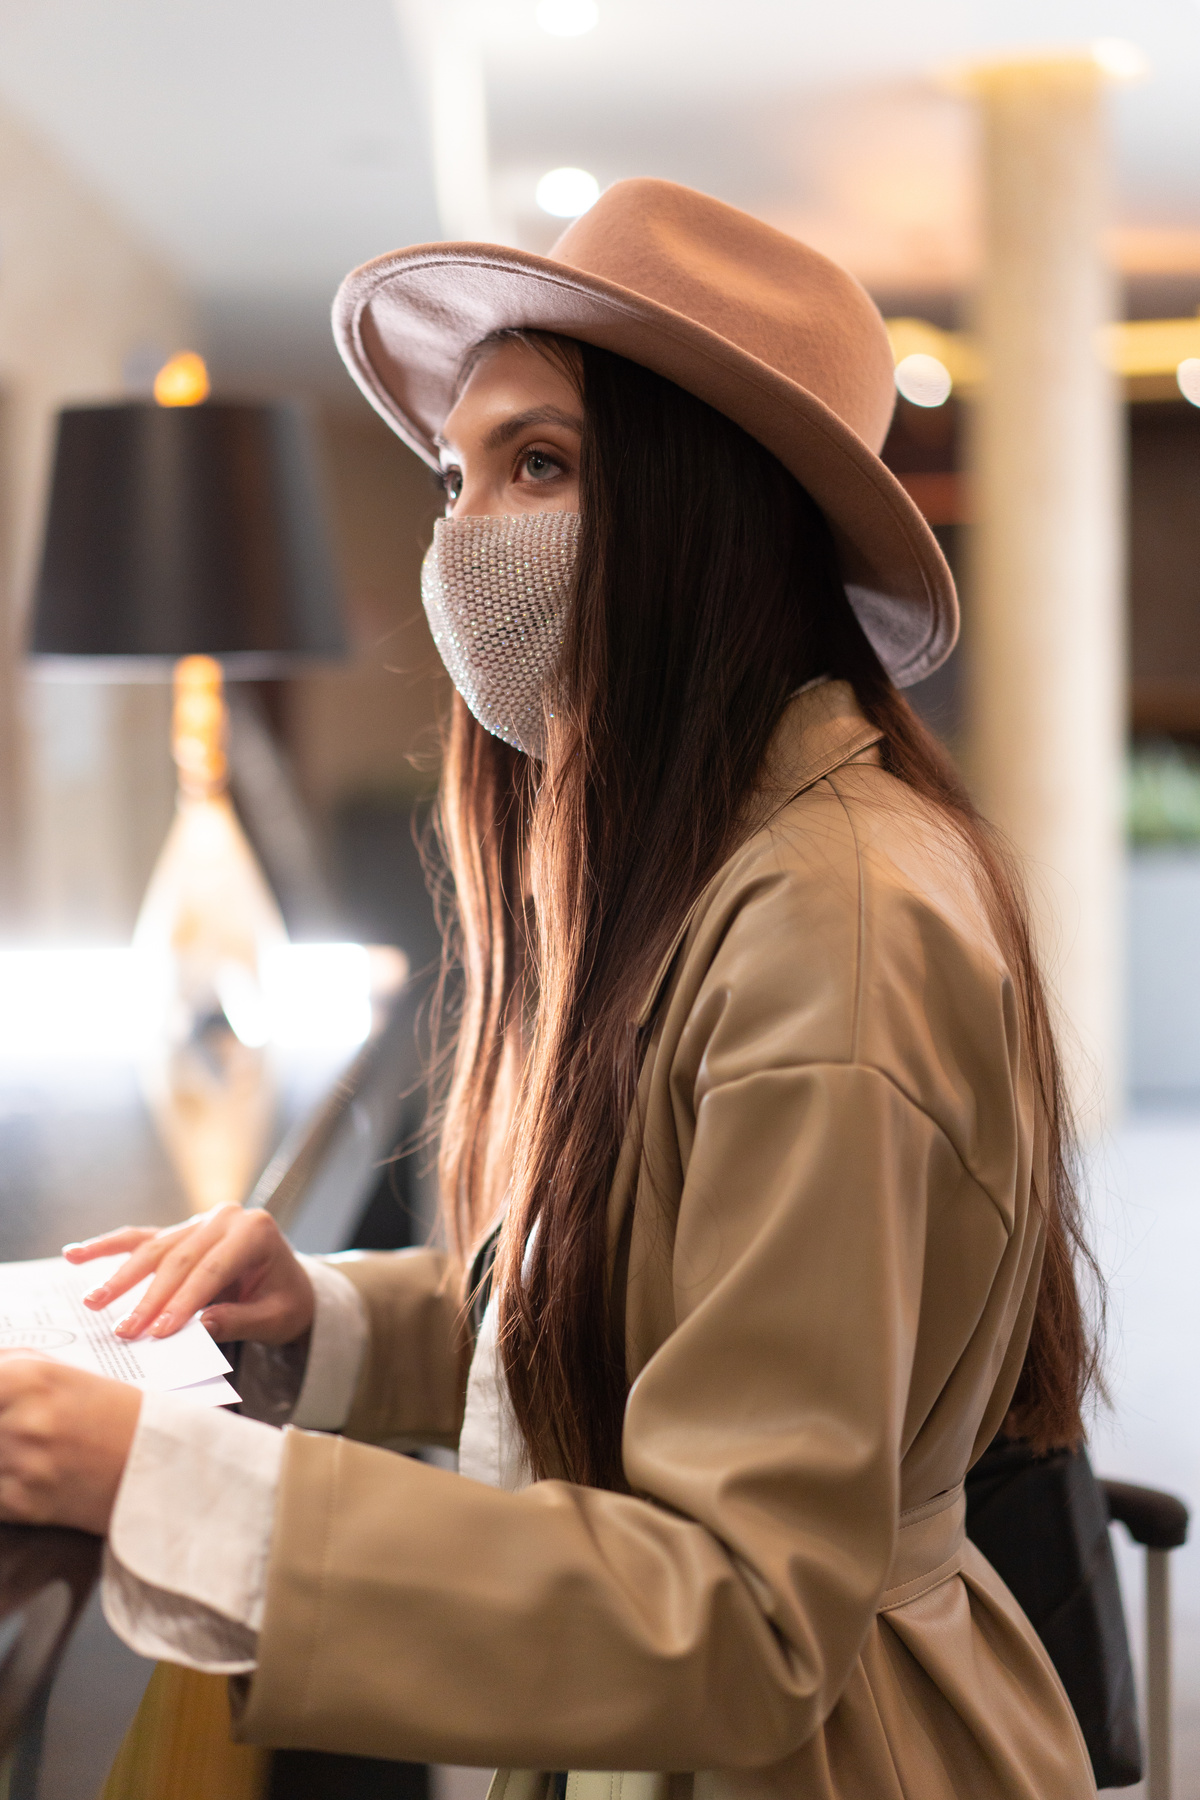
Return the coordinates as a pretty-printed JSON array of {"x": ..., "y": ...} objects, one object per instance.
[
  {"x": 565, "y": 193},
  {"x": 183, "y": 381},
  {"x": 923, "y": 379},
  {"x": 1188, "y": 377},
  {"x": 568, "y": 18}
]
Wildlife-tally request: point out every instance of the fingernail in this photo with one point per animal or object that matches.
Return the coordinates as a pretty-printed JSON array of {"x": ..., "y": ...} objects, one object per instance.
[
  {"x": 97, "y": 1297},
  {"x": 208, "y": 1320},
  {"x": 162, "y": 1325},
  {"x": 128, "y": 1326}
]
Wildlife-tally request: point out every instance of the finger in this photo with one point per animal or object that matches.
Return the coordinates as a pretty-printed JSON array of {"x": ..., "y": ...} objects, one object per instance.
[
  {"x": 128, "y": 1237},
  {"x": 19, "y": 1370},
  {"x": 148, "y": 1248},
  {"x": 147, "y": 1257},
  {"x": 235, "y": 1261},
  {"x": 265, "y": 1321},
  {"x": 113, "y": 1243},
  {"x": 173, "y": 1252},
  {"x": 190, "y": 1276},
  {"x": 173, "y": 1268}
]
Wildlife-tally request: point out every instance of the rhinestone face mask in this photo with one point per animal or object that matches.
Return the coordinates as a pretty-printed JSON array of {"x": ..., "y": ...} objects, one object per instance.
[{"x": 495, "y": 593}]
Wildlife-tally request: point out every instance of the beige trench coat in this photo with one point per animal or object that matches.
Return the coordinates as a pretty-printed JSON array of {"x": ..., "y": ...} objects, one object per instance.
[{"x": 830, "y": 1283}]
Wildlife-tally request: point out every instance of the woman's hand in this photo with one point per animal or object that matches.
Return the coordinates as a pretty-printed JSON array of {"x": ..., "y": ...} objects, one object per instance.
[
  {"x": 64, "y": 1438},
  {"x": 236, "y": 1265}
]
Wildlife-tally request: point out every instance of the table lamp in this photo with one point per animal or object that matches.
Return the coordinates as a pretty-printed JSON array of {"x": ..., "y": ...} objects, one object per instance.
[{"x": 188, "y": 538}]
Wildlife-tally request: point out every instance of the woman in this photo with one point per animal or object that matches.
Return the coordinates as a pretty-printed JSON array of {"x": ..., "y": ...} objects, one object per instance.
[{"x": 753, "y": 1065}]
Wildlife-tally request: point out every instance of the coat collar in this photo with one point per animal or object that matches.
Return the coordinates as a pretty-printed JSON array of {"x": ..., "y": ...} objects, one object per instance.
[{"x": 821, "y": 728}]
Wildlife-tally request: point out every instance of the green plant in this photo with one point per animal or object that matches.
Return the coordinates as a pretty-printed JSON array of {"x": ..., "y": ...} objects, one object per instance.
[{"x": 1163, "y": 795}]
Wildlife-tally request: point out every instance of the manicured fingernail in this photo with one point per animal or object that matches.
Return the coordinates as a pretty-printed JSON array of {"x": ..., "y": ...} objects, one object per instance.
[
  {"x": 208, "y": 1320},
  {"x": 162, "y": 1325},
  {"x": 97, "y": 1297},
  {"x": 128, "y": 1326}
]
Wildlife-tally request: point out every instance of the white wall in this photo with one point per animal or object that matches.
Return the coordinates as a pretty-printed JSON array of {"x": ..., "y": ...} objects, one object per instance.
[{"x": 1164, "y": 975}]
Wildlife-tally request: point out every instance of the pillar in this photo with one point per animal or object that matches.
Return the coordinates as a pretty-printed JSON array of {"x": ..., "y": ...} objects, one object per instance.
[
  {"x": 1045, "y": 647},
  {"x": 445, "y": 42}
]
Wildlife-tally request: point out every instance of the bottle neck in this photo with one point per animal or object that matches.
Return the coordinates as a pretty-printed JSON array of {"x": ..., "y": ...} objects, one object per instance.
[{"x": 200, "y": 728}]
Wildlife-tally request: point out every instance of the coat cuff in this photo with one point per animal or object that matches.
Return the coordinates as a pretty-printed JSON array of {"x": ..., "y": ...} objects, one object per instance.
[{"x": 414, "y": 1372}]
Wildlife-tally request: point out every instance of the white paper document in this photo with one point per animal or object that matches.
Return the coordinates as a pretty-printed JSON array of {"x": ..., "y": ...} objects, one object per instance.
[{"x": 41, "y": 1309}]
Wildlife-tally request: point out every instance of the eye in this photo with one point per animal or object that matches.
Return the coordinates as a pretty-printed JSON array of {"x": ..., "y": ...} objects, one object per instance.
[
  {"x": 452, "y": 483},
  {"x": 539, "y": 465}
]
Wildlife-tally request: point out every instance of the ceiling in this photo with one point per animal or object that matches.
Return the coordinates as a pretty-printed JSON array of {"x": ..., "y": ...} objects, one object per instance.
[{"x": 265, "y": 146}]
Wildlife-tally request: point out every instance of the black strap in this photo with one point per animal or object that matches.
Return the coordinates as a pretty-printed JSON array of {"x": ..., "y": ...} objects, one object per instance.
[{"x": 479, "y": 1287}]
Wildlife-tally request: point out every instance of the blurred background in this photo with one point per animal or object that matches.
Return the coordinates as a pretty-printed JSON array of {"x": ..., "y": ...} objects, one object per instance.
[{"x": 1018, "y": 187}]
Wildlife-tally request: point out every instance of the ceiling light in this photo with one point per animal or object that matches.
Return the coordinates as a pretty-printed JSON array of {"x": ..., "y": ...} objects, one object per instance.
[
  {"x": 568, "y": 18},
  {"x": 565, "y": 193},
  {"x": 183, "y": 381},
  {"x": 1120, "y": 60},
  {"x": 1188, "y": 377},
  {"x": 923, "y": 380}
]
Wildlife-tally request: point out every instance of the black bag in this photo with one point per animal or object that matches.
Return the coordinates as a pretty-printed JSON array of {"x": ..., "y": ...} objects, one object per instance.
[{"x": 1042, "y": 1523}]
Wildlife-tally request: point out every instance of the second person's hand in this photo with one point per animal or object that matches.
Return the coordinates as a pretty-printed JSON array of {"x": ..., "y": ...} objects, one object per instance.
[{"x": 234, "y": 1266}]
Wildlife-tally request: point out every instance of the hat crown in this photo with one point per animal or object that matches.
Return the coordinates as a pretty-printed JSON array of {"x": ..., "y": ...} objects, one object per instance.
[{"x": 772, "y": 296}]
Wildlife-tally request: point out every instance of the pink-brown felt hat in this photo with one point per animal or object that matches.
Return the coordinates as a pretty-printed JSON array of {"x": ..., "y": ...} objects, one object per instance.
[{"x": 769, "y": 332}]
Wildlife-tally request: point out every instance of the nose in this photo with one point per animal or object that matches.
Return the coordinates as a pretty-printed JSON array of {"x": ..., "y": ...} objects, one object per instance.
[{"x": 477, "y": 499}]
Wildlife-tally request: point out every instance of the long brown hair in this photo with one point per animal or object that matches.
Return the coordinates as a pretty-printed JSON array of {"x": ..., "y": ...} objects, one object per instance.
[{"x": 707, "y": 590}]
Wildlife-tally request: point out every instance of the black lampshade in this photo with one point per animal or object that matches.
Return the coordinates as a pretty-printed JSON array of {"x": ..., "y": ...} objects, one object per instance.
[{"x": 178, "y": 531}]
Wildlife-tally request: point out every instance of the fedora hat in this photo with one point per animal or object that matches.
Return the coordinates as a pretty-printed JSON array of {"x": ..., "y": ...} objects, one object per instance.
[{"x": 766, "y": 330}]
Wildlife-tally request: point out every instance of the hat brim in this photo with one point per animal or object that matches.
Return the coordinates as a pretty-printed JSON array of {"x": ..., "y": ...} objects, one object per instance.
[{"x": 404, "y": 322}]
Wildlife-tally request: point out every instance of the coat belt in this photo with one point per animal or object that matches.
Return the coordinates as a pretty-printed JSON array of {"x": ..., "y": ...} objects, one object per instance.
[{"x": 929, "y": 1548}]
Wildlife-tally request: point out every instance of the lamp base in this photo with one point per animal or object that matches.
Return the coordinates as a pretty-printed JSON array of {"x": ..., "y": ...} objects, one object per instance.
[{"x": 207, "y": 920}]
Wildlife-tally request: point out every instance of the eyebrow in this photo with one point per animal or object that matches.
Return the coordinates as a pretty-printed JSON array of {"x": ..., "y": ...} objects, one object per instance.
[{"x": 504, "y": 433}]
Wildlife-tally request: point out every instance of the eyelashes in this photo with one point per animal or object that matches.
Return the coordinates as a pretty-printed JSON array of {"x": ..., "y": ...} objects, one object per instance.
[{"x": 534, "y": 465}]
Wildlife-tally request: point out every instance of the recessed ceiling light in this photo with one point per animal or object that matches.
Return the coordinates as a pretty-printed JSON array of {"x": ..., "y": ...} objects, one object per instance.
[
  {"x": 568, "y": 18},
  {"x": 1188, "y": 377},
  {"x": 923, "y": 380},
  {"x": 565, "y": 193}
]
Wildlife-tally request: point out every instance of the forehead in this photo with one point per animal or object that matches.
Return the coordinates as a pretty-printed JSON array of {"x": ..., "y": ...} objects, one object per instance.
[{"x": 509, "y": 378}]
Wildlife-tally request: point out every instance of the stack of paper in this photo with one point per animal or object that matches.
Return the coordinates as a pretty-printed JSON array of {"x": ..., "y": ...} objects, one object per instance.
[{"x": 42, "y": 1310}]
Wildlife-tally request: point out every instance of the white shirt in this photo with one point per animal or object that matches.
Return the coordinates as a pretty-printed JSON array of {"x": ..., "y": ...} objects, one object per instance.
[{"x": 184, "y": 1573}]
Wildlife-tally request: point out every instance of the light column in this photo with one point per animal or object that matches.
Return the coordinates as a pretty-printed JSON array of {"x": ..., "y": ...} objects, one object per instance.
[{"x": 1045, "y": 647}]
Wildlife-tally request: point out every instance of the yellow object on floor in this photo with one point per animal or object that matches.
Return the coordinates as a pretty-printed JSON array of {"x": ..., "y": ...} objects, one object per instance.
[{"x": 179, "y": 1747}]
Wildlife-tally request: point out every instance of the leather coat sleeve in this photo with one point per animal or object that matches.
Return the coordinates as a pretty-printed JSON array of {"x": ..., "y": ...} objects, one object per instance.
[
  {"x": 711, "y": 1617},
  {"x": 414, "y": 1375}
]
